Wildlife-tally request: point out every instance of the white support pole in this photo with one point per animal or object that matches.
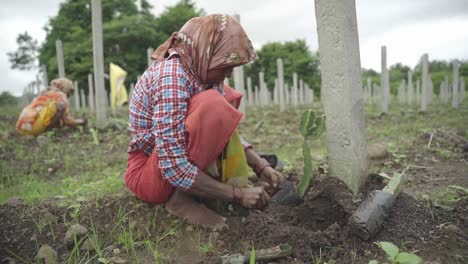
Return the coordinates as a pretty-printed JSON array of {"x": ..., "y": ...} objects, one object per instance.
[
  {"x": 149, "y": 52},
  {"x": 425, "y": 83},
  {"x": 384, "y": 81},
  {"x": 98, "y": 63},
  {"x": 280, "y": 70},
  {"x": 250, "y": 95},
  {"x": 45, "y": 79},
  {"x": 83, "y": 98},
  {"x": 340, "y": 68},
  {"x": 76, "y": 96},
  {"x": 294, "y": 90},
  {"x": 60, "y": 60},
  {"x": 410, "y": 88},
  {"x": 455, "y": 99},
  {"x": 91, "y": 100}
]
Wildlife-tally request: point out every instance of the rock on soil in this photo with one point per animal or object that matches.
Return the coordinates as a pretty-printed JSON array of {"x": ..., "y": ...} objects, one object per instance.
[
  {"x": 74, "y": 232},
  {"x": 47, "y": 254}
]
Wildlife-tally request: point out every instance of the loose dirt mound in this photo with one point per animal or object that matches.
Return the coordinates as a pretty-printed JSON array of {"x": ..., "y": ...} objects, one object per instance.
[{"x": 317, "y": 229}]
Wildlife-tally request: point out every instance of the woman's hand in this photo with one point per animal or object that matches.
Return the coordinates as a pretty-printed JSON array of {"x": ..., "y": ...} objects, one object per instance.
[
  {"x": 253, "y": 197},
  {"x": 271, "y": 176}
]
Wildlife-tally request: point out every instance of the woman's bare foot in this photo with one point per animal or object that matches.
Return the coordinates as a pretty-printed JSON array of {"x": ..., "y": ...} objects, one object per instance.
[{"x": 183, "y": 205}]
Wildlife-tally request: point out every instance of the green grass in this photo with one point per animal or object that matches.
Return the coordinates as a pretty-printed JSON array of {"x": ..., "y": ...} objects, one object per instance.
[{"x": 69, "y": 163}]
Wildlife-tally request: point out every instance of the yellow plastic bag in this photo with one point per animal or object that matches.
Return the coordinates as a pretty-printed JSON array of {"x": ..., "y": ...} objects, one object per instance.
[{"x": 117, "y": 77}]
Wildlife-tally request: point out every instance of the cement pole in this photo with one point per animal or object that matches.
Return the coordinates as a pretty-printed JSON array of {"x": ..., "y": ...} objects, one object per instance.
[
  {"x": 60, "y": 61},
  {"x": 98, "y": 55},
  {"x": 341, "y": 84}
]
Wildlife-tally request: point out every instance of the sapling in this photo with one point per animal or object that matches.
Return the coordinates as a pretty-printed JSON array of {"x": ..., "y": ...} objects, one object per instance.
[
  {"x": 395, "y": 256},
  {"x": 311, "y": 127}
]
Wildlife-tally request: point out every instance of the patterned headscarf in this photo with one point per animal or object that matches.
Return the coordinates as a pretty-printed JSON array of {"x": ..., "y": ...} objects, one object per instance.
[{"x": 207, "y": 43}]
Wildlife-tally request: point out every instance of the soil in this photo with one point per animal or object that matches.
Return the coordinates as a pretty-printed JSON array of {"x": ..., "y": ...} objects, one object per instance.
[{"x": 316, "y": 229}]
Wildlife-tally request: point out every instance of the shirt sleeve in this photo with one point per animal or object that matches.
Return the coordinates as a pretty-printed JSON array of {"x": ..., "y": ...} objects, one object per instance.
[{"x": 170, "y": 113}]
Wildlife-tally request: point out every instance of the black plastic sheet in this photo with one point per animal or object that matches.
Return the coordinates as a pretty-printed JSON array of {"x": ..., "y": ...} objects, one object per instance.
[{"x": 371, "y": 213}]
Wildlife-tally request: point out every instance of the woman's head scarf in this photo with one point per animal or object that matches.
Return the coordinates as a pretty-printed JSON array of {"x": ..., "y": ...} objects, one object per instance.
[{"x": 209, "y": 43}]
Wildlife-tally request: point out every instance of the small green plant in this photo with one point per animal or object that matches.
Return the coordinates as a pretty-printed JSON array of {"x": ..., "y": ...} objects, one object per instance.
[
  {"x": 395, "y": 256},
  {"x": 252, "y": 256},
  {"x": 311, "y": 127},
  {"x": 94, "y": 133},
  {"x": 393, "y": 150}
]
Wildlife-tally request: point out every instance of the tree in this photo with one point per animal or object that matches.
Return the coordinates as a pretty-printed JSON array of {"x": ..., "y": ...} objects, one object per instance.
[
  {"x": 6, "y": 98},
  {"x": 127, "y": 33},
  {"x": 24, "y": 58},
  {"x": 296, "y": 58}
]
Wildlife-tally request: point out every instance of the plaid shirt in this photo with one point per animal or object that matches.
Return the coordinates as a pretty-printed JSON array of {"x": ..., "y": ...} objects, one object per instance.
[{"x": 158, "y": 110}]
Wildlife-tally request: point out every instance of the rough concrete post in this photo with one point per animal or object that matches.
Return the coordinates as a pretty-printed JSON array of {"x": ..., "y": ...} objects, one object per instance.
[
  {"x": 280, "y": 70},
  {"x": 431, "y": 89},
  {"x": 295, "y": 99},
  {"x": 76, "y": 96},
  {"x": 455, "y": 99},
  {"x": 341, "y": 81},
  {"x": 425, "y": 83},
  {"x": 462, "y": 89},
  {"x": 45, "y": 79},
  {"x": 149, "y": 52},
  {"x": 98, "y": 56},
  {"x": 301, "y": 91},
  {"x": 260, "y": 86},
  {"x": 257, "y": 96},
  {"x": 276, "y": 93},
  {"x": 287, "y": 97},
  {"x": 83, "y": 98},
  {"x": 91, "y": 101},
  {"x": 410, "y": 88},
  {"x": 384, "y": 80},
  {"x": 130, "y": 95},
  {"x": 250, "y": 95},
  {"x": 418, "y": 93},
  {"x": 60, "y": 62}
]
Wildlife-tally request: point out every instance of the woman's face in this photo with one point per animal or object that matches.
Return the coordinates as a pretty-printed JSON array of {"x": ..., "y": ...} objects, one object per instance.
[{"x": 218, "y": 75}]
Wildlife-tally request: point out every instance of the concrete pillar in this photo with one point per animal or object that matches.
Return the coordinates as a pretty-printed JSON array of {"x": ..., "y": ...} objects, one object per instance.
[
  {"x": 250, "y": 95},
  {"x": 82, "y": 98},
  {"x": 257, "y": 95},
  {"x": 149, "y": 52},
  {"x": 301, "y": 92},
  {"x": 455, "y": 98},
  {"x": 91, "y": 100},
  {"x": 276, "y": 93},
  {"x": 287, "y": 97},
  {"x": 340, "y": 67},
  {"x": 462, "y": 89},
  {"x": 410, "y": 88},
  {"x": 76, "y": 96},
  {"x": 418, "y": 93},
  {"x": 425, "y": 83},
  {"x": 60, "y": 61},
  {"x": 294, "y": 90},
  {"x": 401, "y": 92},
  {"x": 431, "y": 89},
  {"x": 130, "y": 95},
  {"x": 280, "y": 71},
  {"x": 45, "y": 79},
  {"x": 98, "y": 56},
  {"x": 384, "y": 80}
]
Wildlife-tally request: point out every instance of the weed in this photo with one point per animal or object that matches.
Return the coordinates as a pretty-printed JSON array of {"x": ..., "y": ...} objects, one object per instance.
[
  {"x": 203, "y": 247},
  {"x": 395, "y": 256}
]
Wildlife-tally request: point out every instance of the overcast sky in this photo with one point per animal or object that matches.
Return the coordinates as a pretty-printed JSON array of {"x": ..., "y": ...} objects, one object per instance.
[{"x": 408, "y": 28}]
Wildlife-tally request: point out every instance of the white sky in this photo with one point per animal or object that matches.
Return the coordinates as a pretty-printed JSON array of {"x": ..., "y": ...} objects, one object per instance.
[{"x": 407, "y": 28}]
